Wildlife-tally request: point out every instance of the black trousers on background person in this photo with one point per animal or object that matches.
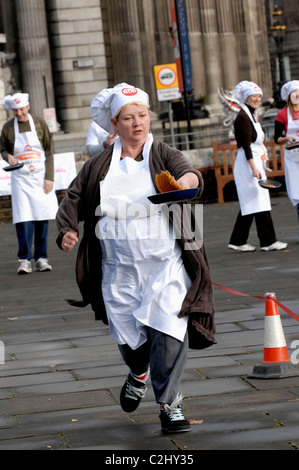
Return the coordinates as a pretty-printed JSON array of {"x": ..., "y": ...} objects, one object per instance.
[{"x": 264, "y": 227}]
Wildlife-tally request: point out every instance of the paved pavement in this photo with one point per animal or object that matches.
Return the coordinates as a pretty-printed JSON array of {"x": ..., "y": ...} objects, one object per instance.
[{"x": 60, "y": 384}]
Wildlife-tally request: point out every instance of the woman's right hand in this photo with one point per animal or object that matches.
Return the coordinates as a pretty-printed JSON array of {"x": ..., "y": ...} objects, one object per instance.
[{"x": 69, "y": 240}]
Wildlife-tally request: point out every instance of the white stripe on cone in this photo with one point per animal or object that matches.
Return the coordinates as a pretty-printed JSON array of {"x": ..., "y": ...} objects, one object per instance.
[{"x": 274, "y": 335}]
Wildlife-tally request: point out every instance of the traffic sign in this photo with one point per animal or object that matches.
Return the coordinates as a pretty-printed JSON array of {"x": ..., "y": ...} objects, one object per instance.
[{"x": 167, "y": 84}]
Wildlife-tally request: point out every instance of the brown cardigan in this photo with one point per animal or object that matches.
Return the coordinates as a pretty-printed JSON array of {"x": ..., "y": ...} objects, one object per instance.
[{"x": 80, "y": 204}]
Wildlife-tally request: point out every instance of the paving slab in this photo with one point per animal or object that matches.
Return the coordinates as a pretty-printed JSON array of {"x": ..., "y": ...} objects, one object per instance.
[{"x": 60, "y": 383}]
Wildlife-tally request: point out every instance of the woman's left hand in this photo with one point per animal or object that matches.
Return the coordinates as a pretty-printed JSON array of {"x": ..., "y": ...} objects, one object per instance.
[
  {"x": 256, "y": 174},
  {"x": 189, "y": 180},
  {"x": 255, "y": 171}
]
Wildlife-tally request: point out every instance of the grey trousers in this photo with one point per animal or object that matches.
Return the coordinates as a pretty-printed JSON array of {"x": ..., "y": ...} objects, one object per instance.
[{"x": 166, "y": 357}]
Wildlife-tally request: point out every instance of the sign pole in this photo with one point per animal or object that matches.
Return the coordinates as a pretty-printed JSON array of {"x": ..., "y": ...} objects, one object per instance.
[{"x": 170, "y": 114}]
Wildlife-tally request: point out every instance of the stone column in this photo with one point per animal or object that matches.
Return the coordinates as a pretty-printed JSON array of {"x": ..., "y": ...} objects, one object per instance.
[
  {"x": 257, "y": 44},
  {"x": 35, "y": 54},
  {"x": 227, "y": 44},
  {"x": 211, "y": 51},
  {"x": 125, "y": 42},
  {"x": 2, "y": 94},
  {"x": 199, "y": 77},
  {"x": 241, "y": 42},
  {"x": 153, "y": 22}
]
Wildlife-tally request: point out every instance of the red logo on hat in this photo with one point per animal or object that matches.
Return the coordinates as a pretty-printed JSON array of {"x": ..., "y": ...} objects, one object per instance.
[
  {"x": 17, "y": 101},
  {"x": 129, "y": 91}
]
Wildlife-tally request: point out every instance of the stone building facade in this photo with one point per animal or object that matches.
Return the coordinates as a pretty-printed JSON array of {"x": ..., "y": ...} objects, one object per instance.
[{"x": 62, "y": 52}]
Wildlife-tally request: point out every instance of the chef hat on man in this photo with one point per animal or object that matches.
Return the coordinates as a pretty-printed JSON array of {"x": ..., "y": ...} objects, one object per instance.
[
  {"x": 245, "y": 89},
  {"x": 16, "y": 101},
  {"x": 109, "y": 101},
  {"x": 288, "y": 88}
]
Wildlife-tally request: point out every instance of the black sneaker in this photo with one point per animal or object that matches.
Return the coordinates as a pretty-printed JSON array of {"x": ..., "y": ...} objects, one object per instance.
[
  {"x": 172, "y": 419},
  {"x": 131, "y": 394}
]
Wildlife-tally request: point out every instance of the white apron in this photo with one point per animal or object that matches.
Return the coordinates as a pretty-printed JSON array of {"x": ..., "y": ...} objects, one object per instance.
[
  {"x": 144, "y": 280},
  {"x": 291, "y": 162},
  {"x": 29, "y": 201},
  {"x": 252, "y": 197}
]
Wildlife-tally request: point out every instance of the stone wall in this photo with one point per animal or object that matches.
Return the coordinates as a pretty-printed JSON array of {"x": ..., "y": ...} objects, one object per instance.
[
  {"x": 78, "y": 58},
  {"x": 74, "y": 49},
  {"x": 2, "y": 92}
]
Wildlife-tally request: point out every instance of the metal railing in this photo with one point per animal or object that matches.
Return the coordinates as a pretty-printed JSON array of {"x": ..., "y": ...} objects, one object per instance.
[
  {"x": 195, "y": 140},
  {"x": 181, "y": 141}
]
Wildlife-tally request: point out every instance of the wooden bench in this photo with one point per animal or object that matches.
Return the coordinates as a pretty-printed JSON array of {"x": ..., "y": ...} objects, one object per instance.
[{"x": 224, "y": 160}]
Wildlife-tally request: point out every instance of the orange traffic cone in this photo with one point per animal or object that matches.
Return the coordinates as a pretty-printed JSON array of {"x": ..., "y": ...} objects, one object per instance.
[
  {"x": 275, "y": 347},
  {"x": 276, "y": 363}
]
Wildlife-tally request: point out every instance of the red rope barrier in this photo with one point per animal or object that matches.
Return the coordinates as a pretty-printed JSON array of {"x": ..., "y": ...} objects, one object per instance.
[{"x": 235, "y": 292}]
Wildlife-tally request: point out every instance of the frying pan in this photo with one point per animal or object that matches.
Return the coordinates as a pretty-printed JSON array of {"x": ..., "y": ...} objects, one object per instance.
[
  {"x": 269, "y": 184},
  {"x": 292, "y": 145},
  {"x": 174, "y": 196},
  {"x": 16, "y": 166}
]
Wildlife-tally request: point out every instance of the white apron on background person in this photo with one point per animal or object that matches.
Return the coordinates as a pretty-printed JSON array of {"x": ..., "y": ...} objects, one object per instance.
[
  {"x": 144, "y": 280},
  {"x": 291, "y": 163},
  {"x": 252, "y": 197},
  {"x": 29, "y": 201}
]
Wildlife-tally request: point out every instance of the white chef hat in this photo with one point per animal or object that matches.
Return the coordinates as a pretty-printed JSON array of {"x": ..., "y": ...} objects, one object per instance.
[
  {"x": 16, "y": 101},
  {"x": 109, "y": 101},
  {"x": 288, "y": 88},
  {"x": 245, "y": 89}
]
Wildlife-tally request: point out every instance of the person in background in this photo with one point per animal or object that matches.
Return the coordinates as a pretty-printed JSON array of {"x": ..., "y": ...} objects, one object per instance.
[
  {"x": 98, "y": 139},
  {"x": 249, "y": 167},
  {"x": 286, "y": 132},
  {"x": 154, "y": 294},
  {"x": 26, "y": 139}
]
